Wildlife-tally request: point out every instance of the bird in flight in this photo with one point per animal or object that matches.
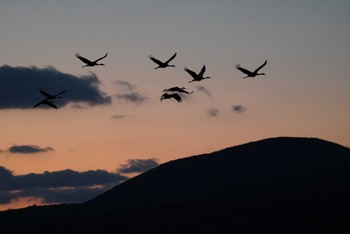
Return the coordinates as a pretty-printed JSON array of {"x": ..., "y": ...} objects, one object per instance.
[
  {"x": 90, "y": 63},
  {"x": 162, "y": 64},
  {"x": 249, "y": 73},
  {"x": 171, "y": 95},
  {"x": 46, "y": 102},
  {"x": 49, "y": 98},
  {"x": 177, "y": 89},
  {"x": 195, "y": 76}
]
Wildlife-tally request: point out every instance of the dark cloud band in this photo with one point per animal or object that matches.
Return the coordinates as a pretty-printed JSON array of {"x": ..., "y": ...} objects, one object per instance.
[
  {"x": 66, "y": 186},
  {"x": 28, "y": 149},
  {"x": 56, "y": 187},
  {"x": 19, "y": 87}
]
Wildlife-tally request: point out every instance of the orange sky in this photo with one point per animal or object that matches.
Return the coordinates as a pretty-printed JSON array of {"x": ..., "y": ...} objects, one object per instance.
[{"x": 305, "y": 92}]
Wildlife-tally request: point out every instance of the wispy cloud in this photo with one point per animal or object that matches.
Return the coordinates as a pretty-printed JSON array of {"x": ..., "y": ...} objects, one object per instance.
[
  {"x": 19, "y": 87},
  {"x": 133, "y": 97},
  {"x": 239, "y": 108},
  {"x": 124, "y": 85},
  {"x": 128, "y": 93},
  {"x": 213, "y": 112},
  {"x": 120, "y": 116},
  {"x": 204, "y": 90},
  {"x": 27, "y": 149},
  {"x": 138, "y": 165}
]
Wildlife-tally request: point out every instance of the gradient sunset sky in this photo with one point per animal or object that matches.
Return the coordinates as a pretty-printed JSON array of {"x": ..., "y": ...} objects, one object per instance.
[{"x": 111, "y": 124}]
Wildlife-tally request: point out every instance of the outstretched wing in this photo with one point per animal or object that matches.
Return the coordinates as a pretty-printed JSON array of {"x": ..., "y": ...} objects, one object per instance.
[
  {"x": 177, "y": 89},
  {"x": 51, "y": 104},
  {"x": 45, "y": 93},
  {"x": 192, "y": 73},
  {"x": 45, "y": 101},
  {"x": 245, "y": 71},
  {"x": 181, "y": 90},
  {"x": 169, "y": 89},
  {"x": 37, "y": 104},
  {"x": 263, "y": 65},
  {"x": 201, "y": 73},
  {"x": 155, "y": 60},
  {"x": 84, "y": 60},
  {"x": 61, "y": 92},
  {"x": 100, "y": 58},
  {"x": 172, "y": 57},
  {"x": 177, "y": 97}
]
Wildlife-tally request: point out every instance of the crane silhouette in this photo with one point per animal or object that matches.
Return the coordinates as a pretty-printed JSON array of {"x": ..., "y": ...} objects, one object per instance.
[
  {"x": 49, "y": 98},
  {"x": 162, "y": 64},
  {"x": 177, "y": 89},
  {"x": 90, "y": 63},
  {"x": 195, "y": 76},
  {"x": 249, "y": 73},
  {"x": 171, "y": 95}
]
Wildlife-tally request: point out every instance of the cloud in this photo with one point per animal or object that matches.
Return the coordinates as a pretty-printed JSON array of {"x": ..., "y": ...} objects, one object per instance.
[
  {"x": 204, "y": 90},
  {"x": 64, "y": 178},
  {"x": 119, "y": 116},
  {"x": 128, "y": 93},
  {"x": 78, "y": 106},
  {"x": 124, "y": 85},
  {"x": 5, "y": 197},
  {"x": 65, "y": 186},
  {"x": 239, "y": 108},
  {"x": 133, "y": 97},
  {"x": 65, "y": 195},
  {"x": 56, "y": 187},
  {"x": 5, "y": 174},
  {"x": 27, "y": 149},
  {"x": 138, "y": 165},
  {"x": 19, "y": 87},
  {"x": 213, "y": 112}
]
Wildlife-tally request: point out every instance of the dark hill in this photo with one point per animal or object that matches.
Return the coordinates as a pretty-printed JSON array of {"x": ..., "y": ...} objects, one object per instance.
[{"x": 283, "y": 185}]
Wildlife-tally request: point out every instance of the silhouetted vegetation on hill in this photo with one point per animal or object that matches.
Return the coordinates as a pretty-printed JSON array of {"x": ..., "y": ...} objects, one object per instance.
[{"x": 279, "y": 185}]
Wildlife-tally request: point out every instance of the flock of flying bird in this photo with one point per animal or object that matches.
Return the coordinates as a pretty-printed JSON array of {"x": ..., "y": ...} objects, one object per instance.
[
  {"x": 174, "y": 91},
  {"x": 49, "y": 98},
  {"x": 169, "y": 93}
]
